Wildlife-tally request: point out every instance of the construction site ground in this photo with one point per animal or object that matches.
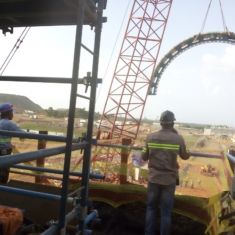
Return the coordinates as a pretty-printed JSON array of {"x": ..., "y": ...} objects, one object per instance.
[{"x": 129, "y": 219}]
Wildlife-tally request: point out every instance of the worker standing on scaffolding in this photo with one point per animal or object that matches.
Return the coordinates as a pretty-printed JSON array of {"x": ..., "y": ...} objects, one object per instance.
[
  {"x": 6, "y": 111},
  {"x": 161, "y": 150}
]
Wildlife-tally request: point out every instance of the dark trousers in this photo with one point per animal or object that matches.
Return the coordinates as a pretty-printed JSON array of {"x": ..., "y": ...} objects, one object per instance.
[
  {"x": 165, "y": 195},
  {"x": 4, "y": 171}
]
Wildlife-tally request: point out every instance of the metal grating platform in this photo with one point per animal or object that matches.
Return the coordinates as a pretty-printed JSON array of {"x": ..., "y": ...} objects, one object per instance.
[{"x": 22, "y": 13}]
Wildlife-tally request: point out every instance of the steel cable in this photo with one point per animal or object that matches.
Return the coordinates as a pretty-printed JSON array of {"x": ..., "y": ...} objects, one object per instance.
[
  {"x": 204, "y": 22},
  {"x": 113, "y": 50},
  {"x": 223, "y": 19},
  {"x": 14, "y": 49}
]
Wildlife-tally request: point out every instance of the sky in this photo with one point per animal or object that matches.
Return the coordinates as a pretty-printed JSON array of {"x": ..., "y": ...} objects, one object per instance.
[{"x": 197, "y": 86}]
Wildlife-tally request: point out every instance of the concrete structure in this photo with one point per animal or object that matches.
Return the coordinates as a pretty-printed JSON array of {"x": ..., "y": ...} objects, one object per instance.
[{"x": 207, "y": 131}]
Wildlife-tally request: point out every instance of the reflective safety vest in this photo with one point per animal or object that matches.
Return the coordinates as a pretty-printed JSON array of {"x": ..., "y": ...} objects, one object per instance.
[{"x": 164, "y": 146}]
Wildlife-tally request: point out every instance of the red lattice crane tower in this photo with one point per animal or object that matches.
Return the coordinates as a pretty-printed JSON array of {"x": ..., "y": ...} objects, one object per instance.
[{"x": 134, "y": 69}]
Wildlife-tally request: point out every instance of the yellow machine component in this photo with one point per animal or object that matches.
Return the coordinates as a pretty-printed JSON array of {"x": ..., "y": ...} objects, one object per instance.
[
  {"x": 209, "y": 170},
  {"x": 226, "y": 216}
]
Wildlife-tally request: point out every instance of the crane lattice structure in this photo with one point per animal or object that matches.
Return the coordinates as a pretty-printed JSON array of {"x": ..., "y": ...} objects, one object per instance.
[{"x": 134, "y": 69}]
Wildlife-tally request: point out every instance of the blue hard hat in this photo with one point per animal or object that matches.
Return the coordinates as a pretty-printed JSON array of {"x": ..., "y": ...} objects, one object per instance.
[{"x": 5, "y": 107}]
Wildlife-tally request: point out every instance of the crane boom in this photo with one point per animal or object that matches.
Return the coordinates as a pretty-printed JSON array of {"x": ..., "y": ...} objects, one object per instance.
[{"x": 129, "y": 88}]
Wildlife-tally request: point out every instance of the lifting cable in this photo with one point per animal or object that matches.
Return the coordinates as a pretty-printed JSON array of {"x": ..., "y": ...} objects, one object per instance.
[
  {"x": 14, "y": 49},
  {"x": 113, "y": 49},
  {"x": 223, "y": 19},
  {"x": 204, "y": 22}
]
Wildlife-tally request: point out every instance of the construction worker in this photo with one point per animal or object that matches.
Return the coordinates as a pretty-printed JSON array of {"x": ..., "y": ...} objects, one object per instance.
[
  {"x": 198, "y": 182},
  {"x": 191, "y": 183},
  {"x": 181, "y": 181},
  {"x": 186, "y": 181},
  {"x": 161, "y": 150},
  {"x": 6, "y": 111}
]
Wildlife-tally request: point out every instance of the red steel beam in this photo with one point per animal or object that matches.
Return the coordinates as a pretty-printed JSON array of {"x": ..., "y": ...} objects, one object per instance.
[{"x": 134, "y": 69}]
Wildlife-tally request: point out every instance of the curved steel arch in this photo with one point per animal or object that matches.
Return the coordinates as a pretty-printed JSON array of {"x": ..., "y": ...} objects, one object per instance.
[{"x": 196, "y": 40}]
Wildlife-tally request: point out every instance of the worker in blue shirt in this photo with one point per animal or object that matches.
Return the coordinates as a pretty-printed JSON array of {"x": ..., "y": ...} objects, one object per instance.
[{"x": 6, "y": 111}]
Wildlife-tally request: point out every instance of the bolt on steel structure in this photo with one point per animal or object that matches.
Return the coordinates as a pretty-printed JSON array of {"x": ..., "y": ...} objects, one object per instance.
[
  {"x": 60, "y": 12},
  {"x": 134, "y": 69}
]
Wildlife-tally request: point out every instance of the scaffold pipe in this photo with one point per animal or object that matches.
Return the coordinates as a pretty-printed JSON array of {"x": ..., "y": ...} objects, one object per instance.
[
  {"x": 91, "y": 216},
  {"x": 51, "y": 230},
  {"x": 9, "y": 160},
  {"x": 48, "y": 170},
  {"x": 40, "y": 195},
  {"x": 71, "y": 215},
  {"x": 46, "y": 176},
  {"x": 88, "y": 232},
  {"x": 194, "y": 154},
  {"x": 119, "y": 146},
  {"x": 231, "y": 157},
  {"x": 28, "y": 135},
  {"x": 76, "y": 191}
]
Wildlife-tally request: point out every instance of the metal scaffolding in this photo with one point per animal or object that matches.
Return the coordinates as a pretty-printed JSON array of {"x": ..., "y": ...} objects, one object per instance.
[{"x": 64, "y": 12}]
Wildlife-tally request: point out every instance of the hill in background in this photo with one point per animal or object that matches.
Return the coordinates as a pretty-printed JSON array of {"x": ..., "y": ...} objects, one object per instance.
[{"x": 20, "y": 102}]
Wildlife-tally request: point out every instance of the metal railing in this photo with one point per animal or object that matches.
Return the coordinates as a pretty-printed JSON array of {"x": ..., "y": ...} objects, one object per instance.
[{"x": 71, "y": 144}]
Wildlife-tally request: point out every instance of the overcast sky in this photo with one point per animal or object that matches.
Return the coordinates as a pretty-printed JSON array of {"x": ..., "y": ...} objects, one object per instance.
[{"x": 198, "y": 86}]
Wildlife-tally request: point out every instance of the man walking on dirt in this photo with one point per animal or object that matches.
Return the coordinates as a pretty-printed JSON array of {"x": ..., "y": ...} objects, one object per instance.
[
  {"x": 6, "y": 111},
  {"x": 161, "y": 150}
]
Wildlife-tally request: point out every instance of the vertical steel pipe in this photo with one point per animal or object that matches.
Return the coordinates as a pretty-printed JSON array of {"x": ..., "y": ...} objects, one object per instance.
[
  {"x": 40, "y": 162},
  {"x": 87, "y": 151},
  {"x": 124, "y": 161},
  {"x": 72, "y": 107}
]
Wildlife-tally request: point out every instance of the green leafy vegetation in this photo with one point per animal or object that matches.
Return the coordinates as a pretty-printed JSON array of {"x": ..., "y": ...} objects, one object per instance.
[
  {"x": 20, "y": 103},
  {"x": 79, "y": 113}
]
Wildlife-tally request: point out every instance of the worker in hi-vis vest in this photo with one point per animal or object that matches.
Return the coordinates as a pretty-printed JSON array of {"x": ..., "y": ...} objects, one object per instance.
[
  {"x": 6, "y": 111},
  {"x": 161, "y": 150}
]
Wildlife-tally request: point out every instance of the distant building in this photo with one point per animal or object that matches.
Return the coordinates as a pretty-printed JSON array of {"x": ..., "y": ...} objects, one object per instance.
[
  {"x": 119, "y": 123},
  {"x": 176, "y": 126},
  {"x": 79, "y": 122},
  {"x": 156, "y": 124},
  {"x": 207, "y": 131},
  {"x": 224, "y": 137},
  {"x": 29, "y": 112},
  {"x": 33, "y": 117}
]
